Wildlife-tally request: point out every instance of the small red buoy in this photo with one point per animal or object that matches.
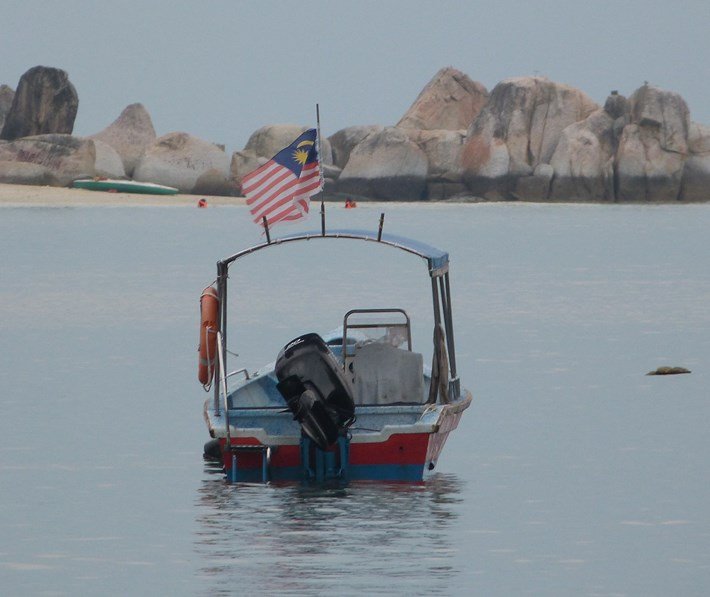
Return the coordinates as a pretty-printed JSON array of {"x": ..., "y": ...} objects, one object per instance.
[{"x": 202, "y": 203}]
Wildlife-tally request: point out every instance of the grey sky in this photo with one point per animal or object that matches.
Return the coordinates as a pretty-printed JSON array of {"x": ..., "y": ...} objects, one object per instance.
[{"x": 222, "y": 69}]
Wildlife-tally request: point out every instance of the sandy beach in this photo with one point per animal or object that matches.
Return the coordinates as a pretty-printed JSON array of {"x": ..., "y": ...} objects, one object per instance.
[{"x": 14, "y": 195}]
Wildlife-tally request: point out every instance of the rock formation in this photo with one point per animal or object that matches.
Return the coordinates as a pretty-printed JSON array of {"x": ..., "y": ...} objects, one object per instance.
[
  {"x": 669, "y": 371},
  {"x": 442, "y": 149},
  {"x": 696, "y": 171},
  {"x": 269, "y": 140},
  {"x": 345, "y": 139},
  {"x": 653, "y": 147},
  {"x": 420, "y": 157},
  {"x": 45, "y": 102},
  {"x": 54, "y": 160},
  {"x": 536, "y": 186},
  {"x": 108, "y": 163},
  {"x": 530, "y": 139},
  {"x": 387, "y": 166},
  {"x": 187, "y": 163},
  {"x": 437, "y": 122},
  {"x": 130, "y": 134},
  {"x": 450, "y": 101},
  {"x": 517, "y": 130},
  {"x": 242, "y": 163},
  {"x": 583, "y": 161},
  {"x": 6, "y": 96}
]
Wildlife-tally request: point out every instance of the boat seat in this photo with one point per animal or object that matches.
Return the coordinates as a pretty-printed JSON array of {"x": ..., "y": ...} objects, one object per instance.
[{"x": 384, "y": 375}]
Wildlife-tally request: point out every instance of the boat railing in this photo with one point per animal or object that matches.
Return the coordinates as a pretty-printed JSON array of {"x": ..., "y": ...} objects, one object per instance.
[
  {"x": 242, "y": 371},
  {"x": 394, "y": 321},
  {"x": 455, "y": 388},
  {"x": 223, "y": 386},
  {"x": 373, "y": 322}
]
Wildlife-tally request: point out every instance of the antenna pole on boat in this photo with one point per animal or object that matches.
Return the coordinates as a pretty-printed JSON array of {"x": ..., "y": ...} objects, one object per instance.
[
  {"x": 322, "y": 218},
  {"x": 266, "y": 229},
  {"x": 382, "y": 223}
]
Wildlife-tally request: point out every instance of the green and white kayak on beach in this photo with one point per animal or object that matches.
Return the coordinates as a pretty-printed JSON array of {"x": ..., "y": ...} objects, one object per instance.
[{"x": 123, "y": 186}]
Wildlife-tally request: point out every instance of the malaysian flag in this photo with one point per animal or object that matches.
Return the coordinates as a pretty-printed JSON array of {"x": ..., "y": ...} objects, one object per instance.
[{"x": 280, "y": 190}]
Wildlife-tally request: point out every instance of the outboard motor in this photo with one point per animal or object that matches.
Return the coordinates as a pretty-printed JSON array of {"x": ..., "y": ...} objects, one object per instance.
[{"x": 315, "y": 388}]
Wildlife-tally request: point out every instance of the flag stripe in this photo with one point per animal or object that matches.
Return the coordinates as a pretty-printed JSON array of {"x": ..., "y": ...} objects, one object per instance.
[
  {"x": 269, "y": 186},
  {"x": 280, "y": 190},
  {"x": 287, "y": 193},
  {"x": 258, "y": 178},
  {"x": 288, "y": 190},
  {"x": 260, "y": 172},
  {"x": 287, "y": 198},
  {"x": 287, "y": 211},
  {"x": 259, "y": 187},
  {"x": 277, "y": 187}
]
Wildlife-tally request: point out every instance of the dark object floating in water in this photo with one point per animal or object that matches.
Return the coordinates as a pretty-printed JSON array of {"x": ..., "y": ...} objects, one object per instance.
[{"x": 669, "y": 371}]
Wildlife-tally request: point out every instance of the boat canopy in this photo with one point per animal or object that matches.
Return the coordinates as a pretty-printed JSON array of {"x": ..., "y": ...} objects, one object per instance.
[
  {"x": 437, "y": 260},
  {"x": 438, "y": 267}
]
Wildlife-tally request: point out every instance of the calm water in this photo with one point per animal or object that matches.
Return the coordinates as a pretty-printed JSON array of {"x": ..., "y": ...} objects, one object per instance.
[{"x": 573, "y": 473}]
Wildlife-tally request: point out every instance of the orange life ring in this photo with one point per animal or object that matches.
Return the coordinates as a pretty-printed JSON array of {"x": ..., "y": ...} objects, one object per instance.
[{"x": 209, "y": 312}]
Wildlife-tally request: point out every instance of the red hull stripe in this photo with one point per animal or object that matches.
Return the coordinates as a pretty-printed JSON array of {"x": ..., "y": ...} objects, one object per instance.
[{"x": 399, "y": 449}]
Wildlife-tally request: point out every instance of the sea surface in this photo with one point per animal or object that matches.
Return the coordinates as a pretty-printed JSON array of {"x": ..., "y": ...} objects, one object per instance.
[{"x": 573, "y": 473}]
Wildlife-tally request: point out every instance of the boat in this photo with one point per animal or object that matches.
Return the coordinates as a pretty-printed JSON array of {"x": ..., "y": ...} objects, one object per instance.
[
  {"x": 112, "y": 185},
  {"x": 355, "y": 403}
]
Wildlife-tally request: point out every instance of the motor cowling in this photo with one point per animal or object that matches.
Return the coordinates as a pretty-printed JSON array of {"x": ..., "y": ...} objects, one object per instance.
[{"x": 316, "y": 390}]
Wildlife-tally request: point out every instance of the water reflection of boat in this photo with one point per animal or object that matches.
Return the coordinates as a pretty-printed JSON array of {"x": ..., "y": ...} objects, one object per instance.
[
  {"x": 314, "y": 540},
  {"x": 357, "y": 403}
]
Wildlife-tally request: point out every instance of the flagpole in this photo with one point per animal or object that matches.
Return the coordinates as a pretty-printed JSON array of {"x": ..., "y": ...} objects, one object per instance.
[
  {"x": 320, "y": 153},
  {"x": 320, "y": 170},
  {"x": 319, "y": 147}
]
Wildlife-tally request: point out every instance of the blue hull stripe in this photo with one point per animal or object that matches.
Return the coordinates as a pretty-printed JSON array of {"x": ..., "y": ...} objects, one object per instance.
[{"x": 374, "y": 472}]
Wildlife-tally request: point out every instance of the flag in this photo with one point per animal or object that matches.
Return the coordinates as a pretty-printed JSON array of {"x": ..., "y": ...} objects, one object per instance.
[{"x": 281, "y": 188}]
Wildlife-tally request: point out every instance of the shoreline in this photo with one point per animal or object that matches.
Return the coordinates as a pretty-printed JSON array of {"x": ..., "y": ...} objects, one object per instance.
[{"x": 20, "y": 195}]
